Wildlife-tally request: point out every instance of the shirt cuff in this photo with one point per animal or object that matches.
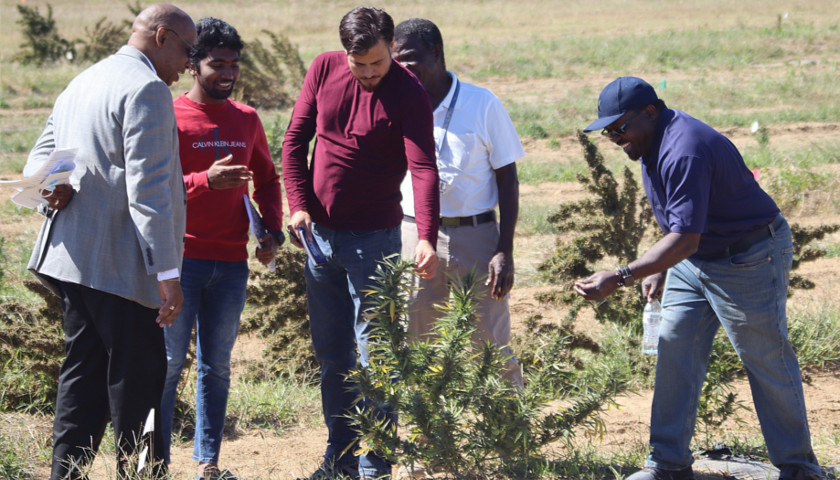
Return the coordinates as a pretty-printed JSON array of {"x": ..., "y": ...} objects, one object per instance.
[{"x": 168, "y": 274}]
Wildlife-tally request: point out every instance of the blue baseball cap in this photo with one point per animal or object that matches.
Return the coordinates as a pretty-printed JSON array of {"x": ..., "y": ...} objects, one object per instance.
[{"x": 619, "y": 97}]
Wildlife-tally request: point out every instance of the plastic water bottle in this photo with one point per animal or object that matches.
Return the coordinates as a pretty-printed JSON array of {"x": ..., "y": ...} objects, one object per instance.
[{"x": 651, "y": 318}]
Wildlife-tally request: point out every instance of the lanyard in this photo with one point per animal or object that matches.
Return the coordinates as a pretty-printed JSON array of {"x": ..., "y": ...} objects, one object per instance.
[{"x": 449, "y": 111}]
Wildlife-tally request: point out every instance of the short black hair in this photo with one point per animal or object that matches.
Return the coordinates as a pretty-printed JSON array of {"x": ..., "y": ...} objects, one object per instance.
[
  {"x": 363, "y": 27},
  {"x": 425, "y": 31},
  {"x": 214, "y": 33}
]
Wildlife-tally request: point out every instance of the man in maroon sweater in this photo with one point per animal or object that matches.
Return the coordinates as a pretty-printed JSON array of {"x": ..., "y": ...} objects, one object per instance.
[{"x": 371, "y": 120}]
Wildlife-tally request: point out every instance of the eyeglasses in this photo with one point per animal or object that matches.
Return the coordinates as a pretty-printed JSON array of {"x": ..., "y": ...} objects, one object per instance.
[
  {"x": 622, "y": 129},
  {"x": 189, "y": 46}
]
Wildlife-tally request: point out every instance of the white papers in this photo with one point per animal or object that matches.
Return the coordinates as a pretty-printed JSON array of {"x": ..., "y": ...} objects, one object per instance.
[
  {"x": 148, "y": 428},
  {"x": 55, "y": 171},
  {"x": 257, "y": 227}
]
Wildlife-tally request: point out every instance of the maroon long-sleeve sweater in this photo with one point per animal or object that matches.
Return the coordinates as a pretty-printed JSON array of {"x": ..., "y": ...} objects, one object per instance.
[{"x": 364, "y": 143}]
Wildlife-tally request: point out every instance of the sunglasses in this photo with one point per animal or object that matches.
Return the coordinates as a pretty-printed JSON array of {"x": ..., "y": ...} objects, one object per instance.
[
  {"x": 188, "y": 45},
  {"x": 622, "y": 129}
]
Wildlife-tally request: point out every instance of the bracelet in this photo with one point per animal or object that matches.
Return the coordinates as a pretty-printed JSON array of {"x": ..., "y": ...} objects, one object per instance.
[{"x": 625, "y": 276}]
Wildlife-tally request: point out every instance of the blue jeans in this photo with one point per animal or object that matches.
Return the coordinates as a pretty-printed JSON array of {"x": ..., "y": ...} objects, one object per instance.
[
  {"x": 214, "y": 295},
  {"x": 746, "y": 294},
  {"x": 335, "y": 296}
]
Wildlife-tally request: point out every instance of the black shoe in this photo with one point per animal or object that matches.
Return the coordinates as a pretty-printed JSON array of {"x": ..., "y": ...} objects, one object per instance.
[
  {"x": 334, "y": 472},
  {"x": 800, "y": 475},
  {"x": 652, "y": 473}
]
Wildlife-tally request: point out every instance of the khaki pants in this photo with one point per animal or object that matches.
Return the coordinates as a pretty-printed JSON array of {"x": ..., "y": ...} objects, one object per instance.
[{"x": 460, "y": 250}]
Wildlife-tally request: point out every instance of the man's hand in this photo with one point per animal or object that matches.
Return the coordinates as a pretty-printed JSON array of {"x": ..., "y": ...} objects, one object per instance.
[
  {"x": 500, "y": 275},
  {"x": 598, "y": 286},
  {"x": 653, "y": 285},
  {"x": 221, "y": 175},
  {"x": 425, "y": 259},
  {"x": 59, "y": 197},
  {"x": 300, "y": 219},
  {"x": 171, "y": 301},
  {"x": 266, "y": 249}
]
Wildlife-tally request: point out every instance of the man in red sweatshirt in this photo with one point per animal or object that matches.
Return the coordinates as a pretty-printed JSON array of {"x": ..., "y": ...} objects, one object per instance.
[
  {"x": 371, "y": 119},
  {"x": 223, "y": 147}
]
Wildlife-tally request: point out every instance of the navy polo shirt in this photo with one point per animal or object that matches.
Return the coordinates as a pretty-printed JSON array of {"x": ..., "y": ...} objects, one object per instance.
[{"x": 697, "y": 182}]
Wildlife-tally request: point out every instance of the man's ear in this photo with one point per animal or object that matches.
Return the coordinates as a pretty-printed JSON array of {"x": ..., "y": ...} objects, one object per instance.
[
  {"x": 160, "y": 36},
  {"x": 437, "y": 51}
]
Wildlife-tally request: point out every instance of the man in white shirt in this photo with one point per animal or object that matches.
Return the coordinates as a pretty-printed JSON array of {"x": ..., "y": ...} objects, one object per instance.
[{"x": 477, "y": 147}]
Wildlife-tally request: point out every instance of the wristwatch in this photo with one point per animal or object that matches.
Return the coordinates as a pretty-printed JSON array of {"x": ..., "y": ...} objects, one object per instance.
[{"x": 625, "y": 276}]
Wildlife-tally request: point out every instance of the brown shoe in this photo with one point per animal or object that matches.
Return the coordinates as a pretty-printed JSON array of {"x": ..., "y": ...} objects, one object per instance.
[
  {"x": 652, "y": 473},
  {"x": 212, "y": 472}
]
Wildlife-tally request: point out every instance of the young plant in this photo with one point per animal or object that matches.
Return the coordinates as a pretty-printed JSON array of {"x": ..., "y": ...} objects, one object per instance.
[
  {"x": 43, "y": 43},
  {"x": 462, "y": 418},
  {"x": 102, "y": 40}
]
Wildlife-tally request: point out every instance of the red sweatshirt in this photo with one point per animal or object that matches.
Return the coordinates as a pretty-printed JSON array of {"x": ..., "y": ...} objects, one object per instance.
[
  {"x": 217, "y": 223},
  {"x": 364, "y": 143}
]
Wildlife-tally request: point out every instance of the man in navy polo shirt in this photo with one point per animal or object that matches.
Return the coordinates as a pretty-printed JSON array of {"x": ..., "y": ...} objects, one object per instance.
[{"x": 728, "y": 252}]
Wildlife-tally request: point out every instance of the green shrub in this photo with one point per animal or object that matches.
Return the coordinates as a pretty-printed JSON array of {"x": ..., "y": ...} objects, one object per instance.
[
  {"x": 462, "y": 419},
  {"x": 275, "y": 131},
  {"x": 270, "y": 77},
  {"x": 277, "y": 312},
  {"x": 43, "y": 43},
  {"x": 102, "y": 40},
  {"x": 611, "y": 223},
  {"x": 805, "y": 250}
]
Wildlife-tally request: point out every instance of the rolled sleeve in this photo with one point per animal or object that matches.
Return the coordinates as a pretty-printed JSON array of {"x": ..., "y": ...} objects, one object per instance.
[{"x": 687, "y": 194}]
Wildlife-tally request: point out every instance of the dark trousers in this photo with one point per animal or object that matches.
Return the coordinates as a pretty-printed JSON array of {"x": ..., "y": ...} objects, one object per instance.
[{"x": 114, "y": 369}]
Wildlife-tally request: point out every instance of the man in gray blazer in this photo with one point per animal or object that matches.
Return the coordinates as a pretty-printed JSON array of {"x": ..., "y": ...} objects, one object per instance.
[{"x": 111, "y": 247}]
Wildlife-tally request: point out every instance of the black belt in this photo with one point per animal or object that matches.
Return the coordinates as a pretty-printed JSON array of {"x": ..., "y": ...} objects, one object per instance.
[
  {"x": 744, "y": 243},
  {"x": 471, "y": 221}
]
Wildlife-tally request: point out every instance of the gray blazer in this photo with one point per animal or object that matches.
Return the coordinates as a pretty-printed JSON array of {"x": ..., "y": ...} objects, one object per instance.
[{"x": 126, "y": 221}]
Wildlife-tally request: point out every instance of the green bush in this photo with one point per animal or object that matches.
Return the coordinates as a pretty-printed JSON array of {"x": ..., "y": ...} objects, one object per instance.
[
  {"x": 277, "y": 312},
  {"x": 805, "y": 250},
  {"x": 43, "y": 43},
  {"x": 611, "y": 223},
  {"x": 102, "y": 40},
  {"x": 275, "y": 131},
  {"x": 462, "y": 419},
  {"x": 270, "y": 77}
]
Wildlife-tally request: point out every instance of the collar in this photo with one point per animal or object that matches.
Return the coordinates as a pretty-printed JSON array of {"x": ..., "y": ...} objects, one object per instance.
[
  {"x": 136, "y": 53},
  {"x": 148, "y": 62},
  {"x": 447, "y": 100},
  {"x": 652, "y": 158}
]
